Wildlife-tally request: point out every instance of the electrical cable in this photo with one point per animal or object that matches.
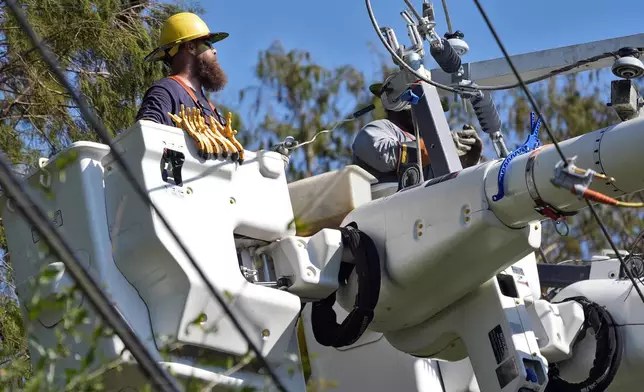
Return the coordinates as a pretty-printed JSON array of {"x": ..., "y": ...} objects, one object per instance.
[
  {"x": 599, "y": 197},
  {"x": 352, "y": 117},
  {"x": 447, "y": 19},
  {"x": 412, "y": 9},
  {"x": 537, "y": 110},
  {"x": 609, "y": 350},
  {"x": 401, "y": 62},
  {"x": 472, "y": 89},
  {"x": 543, "y": 255},
  {"x": 100, "y": 129},
  {"x": 36, "y": 218}
]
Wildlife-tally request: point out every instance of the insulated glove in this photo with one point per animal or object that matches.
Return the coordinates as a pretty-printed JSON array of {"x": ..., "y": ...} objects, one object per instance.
[
  {"x": 468, "y": 145},
  {"x": 213, "y": 139}
]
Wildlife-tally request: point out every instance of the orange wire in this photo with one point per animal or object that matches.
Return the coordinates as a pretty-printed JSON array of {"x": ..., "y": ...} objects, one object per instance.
[{"x": 605, "y": 199}]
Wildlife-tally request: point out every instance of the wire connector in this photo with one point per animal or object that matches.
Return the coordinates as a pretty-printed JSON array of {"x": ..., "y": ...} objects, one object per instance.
[{"x": 575, "y": 179}]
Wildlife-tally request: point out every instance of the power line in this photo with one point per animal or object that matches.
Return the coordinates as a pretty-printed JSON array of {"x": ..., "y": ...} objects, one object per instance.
[
  {"x": 535, "y": 107},
  {"x": 447, "y": 18},
  {"x": 88, "y": 285},
  {"x": 100, "y": 129}
]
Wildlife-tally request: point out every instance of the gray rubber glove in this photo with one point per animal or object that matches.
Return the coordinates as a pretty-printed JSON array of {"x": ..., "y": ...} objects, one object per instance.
[{"x": 468, "y": 145}]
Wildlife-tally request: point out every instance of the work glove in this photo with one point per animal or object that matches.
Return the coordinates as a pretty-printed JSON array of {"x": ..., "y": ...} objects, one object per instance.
[{"x": 469, "y": 145}]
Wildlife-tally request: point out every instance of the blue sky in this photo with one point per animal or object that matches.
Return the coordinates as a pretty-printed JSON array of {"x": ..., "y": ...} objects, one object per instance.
[{"x": 338, "y": 32}]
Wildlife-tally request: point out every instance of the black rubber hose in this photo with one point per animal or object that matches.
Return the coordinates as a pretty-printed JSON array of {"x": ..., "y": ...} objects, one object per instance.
[
  {"x": 608, "y": 355},
  {"x": 326, "y": 329},
  {"x": 447, "y": 58}
]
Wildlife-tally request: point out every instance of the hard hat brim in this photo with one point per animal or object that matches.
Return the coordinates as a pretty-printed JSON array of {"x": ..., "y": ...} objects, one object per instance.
[
  {"x": 159, "y": 53},
  {"x": 376, "y": 89}
]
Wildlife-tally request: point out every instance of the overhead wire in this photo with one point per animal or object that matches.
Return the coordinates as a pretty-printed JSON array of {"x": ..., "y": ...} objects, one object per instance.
[
  {"x": 537, "y": 110},
  {"x": 36, "y": 218},
  {"x": 447, "y": 18},
  {"x": 402, "y": 63},
  {"x": 350, "y": 118},
  {"x": 101, "y": 130},
  {"x": 473, "y": 88}
]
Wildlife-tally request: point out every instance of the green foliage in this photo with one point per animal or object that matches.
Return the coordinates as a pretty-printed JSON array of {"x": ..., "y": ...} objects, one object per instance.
[
  {"x": 14, "y": 357},
  {"x": 302, "y": 98},
  {"x": 100, "y": 44}
]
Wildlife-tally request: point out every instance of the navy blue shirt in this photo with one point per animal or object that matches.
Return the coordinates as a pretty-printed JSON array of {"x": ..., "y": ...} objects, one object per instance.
[{"x": 166, "y": 95}]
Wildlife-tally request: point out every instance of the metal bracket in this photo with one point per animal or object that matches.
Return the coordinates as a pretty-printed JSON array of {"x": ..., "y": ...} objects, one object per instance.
[
  {"x": 574, "y": 179},
  {"x": 625, "y": 99},
  {"x": 541, "y": 206},
  {"x": 531, "y": 143},
  {"x": 496, "y": 71},
  {"x": 429, "y": 117}
]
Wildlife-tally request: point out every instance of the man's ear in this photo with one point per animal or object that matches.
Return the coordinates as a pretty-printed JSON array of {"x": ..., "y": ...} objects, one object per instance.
[{"x": 191, "y": 47}]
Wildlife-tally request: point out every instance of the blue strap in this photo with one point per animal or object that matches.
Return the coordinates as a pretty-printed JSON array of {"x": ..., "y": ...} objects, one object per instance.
[{"x": 530, "y": 144}]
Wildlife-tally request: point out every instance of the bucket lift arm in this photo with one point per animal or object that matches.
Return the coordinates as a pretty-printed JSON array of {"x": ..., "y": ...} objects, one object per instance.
[{"x": 459, "y": 275}]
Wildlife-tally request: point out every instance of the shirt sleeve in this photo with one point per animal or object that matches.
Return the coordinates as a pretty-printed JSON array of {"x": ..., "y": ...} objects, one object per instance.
[
  {"x": 376, "y": 146},
  {"x": 156, "y": 104}
]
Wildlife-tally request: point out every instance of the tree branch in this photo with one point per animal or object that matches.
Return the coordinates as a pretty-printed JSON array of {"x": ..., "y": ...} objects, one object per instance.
[
  {"x": 6, "y": 110},
  {"x": 86, "y": 72}
]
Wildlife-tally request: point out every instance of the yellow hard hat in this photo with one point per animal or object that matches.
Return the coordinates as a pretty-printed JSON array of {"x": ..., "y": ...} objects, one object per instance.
[{"x": 180, "y": 28}]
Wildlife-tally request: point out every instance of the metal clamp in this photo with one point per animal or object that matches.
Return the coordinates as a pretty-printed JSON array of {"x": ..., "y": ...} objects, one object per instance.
[
  {"x": 542, "y": 207},
  {"x": 574, "y": 179},
  {"x": 531, "y": 143},
  {"x": 45, "y": 176}
]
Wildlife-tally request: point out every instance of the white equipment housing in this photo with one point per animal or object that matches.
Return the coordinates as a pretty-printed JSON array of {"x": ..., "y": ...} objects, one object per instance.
[
  {"x": 459, "y": 307},
  {"x": 497, "y": 328}
]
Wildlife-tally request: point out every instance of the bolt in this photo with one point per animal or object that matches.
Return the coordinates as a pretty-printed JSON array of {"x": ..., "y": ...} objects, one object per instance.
[{"x": 266, "y": 333}]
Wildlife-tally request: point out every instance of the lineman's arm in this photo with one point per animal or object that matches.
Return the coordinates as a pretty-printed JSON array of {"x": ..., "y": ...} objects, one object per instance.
[
  {"x": 380, "y": 149},
  {"x": 156, "y": 104}
]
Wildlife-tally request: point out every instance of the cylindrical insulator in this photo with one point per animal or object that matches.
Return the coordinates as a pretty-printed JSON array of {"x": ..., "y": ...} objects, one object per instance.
[
  {"x": 615, "y": 151},
  {"x": 486, "y": 113},
  {"x": 447, "y": 58}
]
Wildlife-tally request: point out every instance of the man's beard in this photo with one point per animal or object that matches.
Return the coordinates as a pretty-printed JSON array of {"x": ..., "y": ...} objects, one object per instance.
[{"x": 212, "y": 77}]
